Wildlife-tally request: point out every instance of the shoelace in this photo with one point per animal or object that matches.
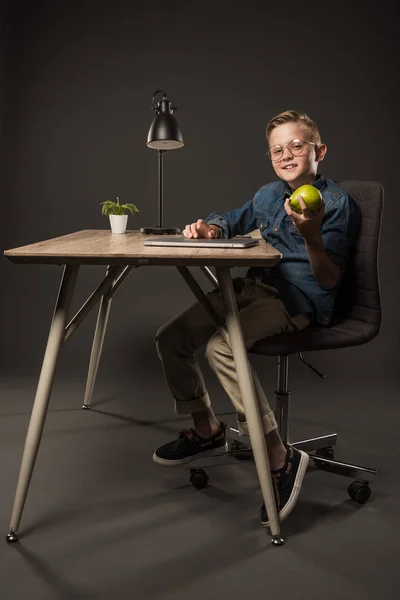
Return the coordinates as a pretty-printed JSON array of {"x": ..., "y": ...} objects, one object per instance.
[{"x": 188, "y": 433}]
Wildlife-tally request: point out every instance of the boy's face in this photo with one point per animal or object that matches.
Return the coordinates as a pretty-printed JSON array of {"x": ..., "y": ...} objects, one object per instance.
[{"x": 300, "y": 169}]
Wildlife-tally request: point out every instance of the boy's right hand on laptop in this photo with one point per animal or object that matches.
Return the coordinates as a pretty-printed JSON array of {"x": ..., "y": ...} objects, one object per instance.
[{"x": 199, "y": 229}]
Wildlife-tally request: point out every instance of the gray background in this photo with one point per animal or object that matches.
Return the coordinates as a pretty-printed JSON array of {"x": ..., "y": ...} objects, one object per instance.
[
  {"x": 102, "y": 520},
  {"x": 79, "y": 82}
]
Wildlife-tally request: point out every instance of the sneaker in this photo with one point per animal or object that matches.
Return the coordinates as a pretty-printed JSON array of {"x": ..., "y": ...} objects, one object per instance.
[
  {"x": 190, "y": 446},
  {"x": 287, "y": 483}
]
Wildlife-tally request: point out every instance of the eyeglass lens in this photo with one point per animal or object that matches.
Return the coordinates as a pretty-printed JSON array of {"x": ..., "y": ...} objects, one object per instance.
[{"x": 295, "y": 147}]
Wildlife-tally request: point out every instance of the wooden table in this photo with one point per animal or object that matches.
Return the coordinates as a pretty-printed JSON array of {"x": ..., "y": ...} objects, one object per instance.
[{"x": 121, "y": 253}]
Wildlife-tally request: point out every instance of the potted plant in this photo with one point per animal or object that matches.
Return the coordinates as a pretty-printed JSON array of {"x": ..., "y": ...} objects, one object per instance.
[{"x": 116, "y": 212}]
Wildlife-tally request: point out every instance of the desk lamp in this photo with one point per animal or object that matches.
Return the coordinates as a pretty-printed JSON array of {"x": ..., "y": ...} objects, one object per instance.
[{"x": 164, "y": 134}]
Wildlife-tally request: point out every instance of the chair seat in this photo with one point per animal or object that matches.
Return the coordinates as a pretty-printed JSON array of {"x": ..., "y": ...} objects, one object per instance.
[{"x": 340, "y": 334}]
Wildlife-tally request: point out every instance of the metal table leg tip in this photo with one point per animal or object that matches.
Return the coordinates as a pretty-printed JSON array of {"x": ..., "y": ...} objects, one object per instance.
[
  {"x": 12, "y": 537},
  {"x": 85, "y": 407},
  {"x": 277, "y": 540}
]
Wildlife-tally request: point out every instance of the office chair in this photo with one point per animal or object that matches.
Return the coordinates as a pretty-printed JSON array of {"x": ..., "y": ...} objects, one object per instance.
[{"x": 356, "y": 321}]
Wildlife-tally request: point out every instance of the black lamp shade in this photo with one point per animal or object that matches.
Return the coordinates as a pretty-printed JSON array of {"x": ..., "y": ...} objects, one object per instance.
[{"x": 164, "y": 133}]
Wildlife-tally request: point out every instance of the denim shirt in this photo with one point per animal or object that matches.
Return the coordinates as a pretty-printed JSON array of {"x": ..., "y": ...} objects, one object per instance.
[{"x": 292, "y": 276}]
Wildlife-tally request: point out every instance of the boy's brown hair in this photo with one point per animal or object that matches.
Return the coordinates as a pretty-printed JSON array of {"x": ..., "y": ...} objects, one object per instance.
[{"x": 295, "y": 116}]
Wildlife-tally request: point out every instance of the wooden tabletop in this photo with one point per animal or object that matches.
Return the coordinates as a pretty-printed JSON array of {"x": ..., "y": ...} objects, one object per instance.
[{"x": 100, "y": 246}]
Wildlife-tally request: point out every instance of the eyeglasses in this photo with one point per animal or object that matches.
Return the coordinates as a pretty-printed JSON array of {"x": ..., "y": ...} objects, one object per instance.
[{"x": 296, "y": 148}]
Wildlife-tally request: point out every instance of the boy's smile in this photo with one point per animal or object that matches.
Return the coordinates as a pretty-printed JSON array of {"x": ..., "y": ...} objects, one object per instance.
[{"x": 299, "y": 169}]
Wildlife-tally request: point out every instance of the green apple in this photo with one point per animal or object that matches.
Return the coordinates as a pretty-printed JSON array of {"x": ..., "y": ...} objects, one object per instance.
[{"x": 311, "y": 196}]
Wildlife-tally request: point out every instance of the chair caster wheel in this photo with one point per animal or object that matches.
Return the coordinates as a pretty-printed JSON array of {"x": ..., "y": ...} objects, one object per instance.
[
  {"x": 198, "y": 478},
  {"x": 327, "y": 452},
  {"x": 359, "y": 491}
]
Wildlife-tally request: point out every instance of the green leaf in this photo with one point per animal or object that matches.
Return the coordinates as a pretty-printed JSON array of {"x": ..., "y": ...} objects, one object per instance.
[
  {"x": 109, "y": 207},
  {"x": 134, "y": 209}
]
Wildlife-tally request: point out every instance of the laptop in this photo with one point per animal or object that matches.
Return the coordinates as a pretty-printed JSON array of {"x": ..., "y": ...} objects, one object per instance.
[{"x": 183, "y": 242}]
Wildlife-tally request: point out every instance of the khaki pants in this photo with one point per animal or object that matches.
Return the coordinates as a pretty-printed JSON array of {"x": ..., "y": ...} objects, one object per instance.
[{"x": 261, "y": 312}]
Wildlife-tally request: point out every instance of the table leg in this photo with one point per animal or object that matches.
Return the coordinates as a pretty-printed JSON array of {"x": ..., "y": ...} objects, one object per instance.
[
  {"x": 97, "y": 346},
  {"x": 43, "y": 393},
  {"x": 249, "y": 399}
]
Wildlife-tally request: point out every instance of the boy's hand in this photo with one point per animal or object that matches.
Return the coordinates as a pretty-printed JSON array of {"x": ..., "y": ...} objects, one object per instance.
[
  {"x": 199, "y": 229},
  {"x": 308, "y": 224}
]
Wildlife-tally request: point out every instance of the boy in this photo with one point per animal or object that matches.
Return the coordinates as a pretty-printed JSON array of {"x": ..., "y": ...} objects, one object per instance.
[{"x": 299, "y": 290}]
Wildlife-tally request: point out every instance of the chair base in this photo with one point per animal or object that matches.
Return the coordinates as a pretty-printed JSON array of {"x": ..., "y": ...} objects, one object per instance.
[
  {"x": 312, "y": 446},
  {"x": 317, "y": 443},
  {"x": 318, "y": 448}
]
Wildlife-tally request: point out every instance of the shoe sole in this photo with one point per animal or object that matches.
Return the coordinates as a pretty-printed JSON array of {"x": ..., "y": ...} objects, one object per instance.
[
  {"x": 290, "y": 504},
  {"x": 183, "y": 461}
]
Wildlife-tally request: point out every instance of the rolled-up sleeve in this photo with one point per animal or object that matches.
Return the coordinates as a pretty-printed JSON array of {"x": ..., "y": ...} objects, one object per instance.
[{"x": 239, "y": 221}]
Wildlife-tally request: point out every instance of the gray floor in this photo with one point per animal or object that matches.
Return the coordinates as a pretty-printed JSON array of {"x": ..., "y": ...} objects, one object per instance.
[{"x": 102, "y": 521}]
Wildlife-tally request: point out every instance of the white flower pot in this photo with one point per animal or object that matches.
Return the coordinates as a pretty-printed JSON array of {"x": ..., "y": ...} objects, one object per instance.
[{"x": 118, "y": 223}]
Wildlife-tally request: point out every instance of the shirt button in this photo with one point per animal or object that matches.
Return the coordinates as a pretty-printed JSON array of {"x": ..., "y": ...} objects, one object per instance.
[{"x": 275, "y": 229}]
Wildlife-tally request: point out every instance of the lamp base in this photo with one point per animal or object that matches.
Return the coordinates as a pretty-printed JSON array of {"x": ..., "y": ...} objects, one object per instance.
[{"x": 161, "y": 230}]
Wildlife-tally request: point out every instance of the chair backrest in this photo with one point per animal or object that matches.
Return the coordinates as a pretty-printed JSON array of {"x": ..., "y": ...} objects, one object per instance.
[{"x": 359, "y": 294}]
